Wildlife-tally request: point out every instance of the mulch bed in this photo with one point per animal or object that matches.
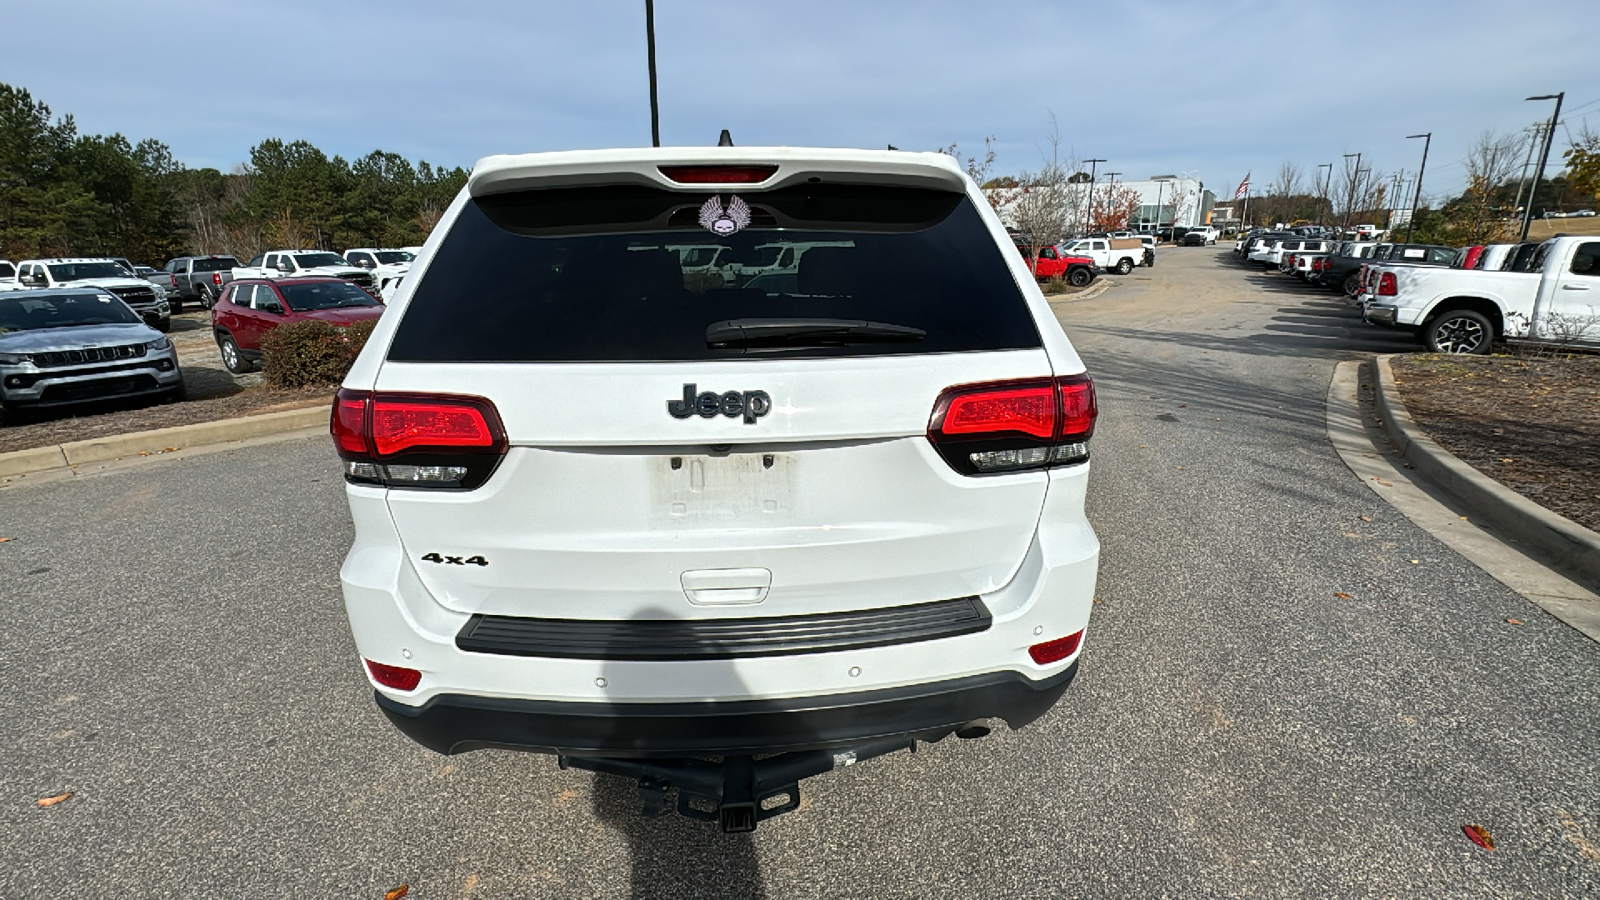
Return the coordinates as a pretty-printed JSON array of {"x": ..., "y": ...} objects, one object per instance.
[
  {"x": 1530, "y": 422},
  {"x": 44, "y": 428}
]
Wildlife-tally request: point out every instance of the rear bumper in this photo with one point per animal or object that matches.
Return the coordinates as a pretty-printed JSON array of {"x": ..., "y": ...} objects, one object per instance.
[{"x": 454, "y": 723}]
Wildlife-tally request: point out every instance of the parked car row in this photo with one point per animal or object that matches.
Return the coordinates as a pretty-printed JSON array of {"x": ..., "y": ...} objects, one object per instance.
[{"x": 1454, "y": 299}]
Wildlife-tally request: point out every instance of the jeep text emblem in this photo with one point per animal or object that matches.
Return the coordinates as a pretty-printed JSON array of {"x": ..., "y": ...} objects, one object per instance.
[{"x": 751, "y": 404}]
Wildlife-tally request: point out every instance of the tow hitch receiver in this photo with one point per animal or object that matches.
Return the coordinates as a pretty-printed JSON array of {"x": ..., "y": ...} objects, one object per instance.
[{"x": 740, "y": 791}]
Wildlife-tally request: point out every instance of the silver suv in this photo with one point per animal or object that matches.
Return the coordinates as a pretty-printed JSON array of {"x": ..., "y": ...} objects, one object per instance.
[
  {"x": 70, "y": 345},
  {"x": 636, "y": 504}
]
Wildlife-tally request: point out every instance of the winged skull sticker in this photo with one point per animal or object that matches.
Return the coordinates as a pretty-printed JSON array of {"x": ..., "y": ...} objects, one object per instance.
[{"x": 722, "y": 221}]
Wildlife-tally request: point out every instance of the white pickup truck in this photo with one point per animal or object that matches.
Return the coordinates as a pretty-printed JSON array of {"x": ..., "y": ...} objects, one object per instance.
[
  {"x": 387, "y": 266},
  {"x": 1118, "y": 255},
  {"x": 304, "y": 264},
  {"x": 1466, "y": 310}
]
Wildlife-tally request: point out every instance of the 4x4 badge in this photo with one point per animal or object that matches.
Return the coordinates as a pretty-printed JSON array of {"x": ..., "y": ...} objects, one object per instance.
[{"x": 750, "y": 404}]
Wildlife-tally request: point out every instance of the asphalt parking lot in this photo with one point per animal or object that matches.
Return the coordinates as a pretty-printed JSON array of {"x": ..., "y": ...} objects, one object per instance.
[{"x": 1288, "y": 689}]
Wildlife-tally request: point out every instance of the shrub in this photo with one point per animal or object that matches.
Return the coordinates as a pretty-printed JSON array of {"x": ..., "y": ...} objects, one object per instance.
[
  {"x": 304, "y": 354},
  {"x": 1055, "y": 284}
]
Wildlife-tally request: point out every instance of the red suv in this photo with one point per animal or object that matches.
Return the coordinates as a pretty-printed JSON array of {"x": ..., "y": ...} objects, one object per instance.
[{"x": 251, "y": 307}]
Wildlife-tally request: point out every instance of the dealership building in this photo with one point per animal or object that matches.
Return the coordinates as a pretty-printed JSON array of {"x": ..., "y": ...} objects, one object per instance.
[{"x": 1156, "y": 207}]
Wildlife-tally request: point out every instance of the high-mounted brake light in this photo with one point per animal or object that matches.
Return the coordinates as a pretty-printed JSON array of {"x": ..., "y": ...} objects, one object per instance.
[
  {"x": 417, "y": 440},
  {"x": 754, "y": 174},
  {"x": 1387, "y": 286},
  {"x": 983, "y": 429}
]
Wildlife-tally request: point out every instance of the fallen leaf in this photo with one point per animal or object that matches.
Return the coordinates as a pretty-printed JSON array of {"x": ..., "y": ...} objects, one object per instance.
[
  {"x": 1351, "y": 534},
  {"x": 1480, "y": 836},
  {"x": 170, "y": 450},
  {"x": 144, "y": 452},
  {"x": 1180, "y": 468},
  {"x": 398, "y": 892},
  {"x": 1513, "y": 621},
  {"x": 1366, "y": 518},
  {"x": 52, "y": 801},
  {"x": 1342, "y": 595},
  {"x": 1182, "y": 405},
  {"x": 1415, "y": 561},
  {"x": 1381, "y": 481},
  {"x": 3, "y": 540},
  {"x": 1508, "y": 460}
]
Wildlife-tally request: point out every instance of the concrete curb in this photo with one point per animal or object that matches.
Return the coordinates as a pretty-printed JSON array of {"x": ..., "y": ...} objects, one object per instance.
[
  {"x": 160, "y": 440},
  {"x": 1100, "y": 286},
  {"x": 1566, "y": 545}
]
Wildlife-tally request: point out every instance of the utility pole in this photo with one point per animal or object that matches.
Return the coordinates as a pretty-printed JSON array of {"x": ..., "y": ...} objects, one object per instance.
[
  {"x": 1522, "y": 183},
  {"x": 1322, "y": 191},
  {"x": 1088, "y": 205},
  {"x": 1544, "y": 156},
  {"x": 1416, "y": 200},
  {"x": 650, "y": 53},
  {"x": 1351, "y": 199}
]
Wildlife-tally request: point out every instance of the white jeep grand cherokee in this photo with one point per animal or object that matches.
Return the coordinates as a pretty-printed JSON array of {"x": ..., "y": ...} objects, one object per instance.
[{"x": 640, "y": 517}]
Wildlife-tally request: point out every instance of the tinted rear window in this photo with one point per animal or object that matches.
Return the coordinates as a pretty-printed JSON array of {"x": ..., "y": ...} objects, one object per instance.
[
  {"x": 215, "y": 265},
  {"x": 626, "y": 273}
]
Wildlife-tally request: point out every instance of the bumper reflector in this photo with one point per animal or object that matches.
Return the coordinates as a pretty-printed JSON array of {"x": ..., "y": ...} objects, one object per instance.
[
  {"x": 1055, "y": 651},
  {"x": 396, "y": 677}
]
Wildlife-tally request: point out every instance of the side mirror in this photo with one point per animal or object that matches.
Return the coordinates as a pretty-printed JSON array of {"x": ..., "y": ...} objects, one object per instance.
[{"x": 274, "y": 308}]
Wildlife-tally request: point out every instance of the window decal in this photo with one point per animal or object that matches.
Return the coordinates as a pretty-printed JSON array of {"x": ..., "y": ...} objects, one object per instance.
[{"x": 724, "y": 221}]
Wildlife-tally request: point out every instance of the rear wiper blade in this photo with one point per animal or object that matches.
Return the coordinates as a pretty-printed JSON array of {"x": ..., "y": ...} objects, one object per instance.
[{"x": 805, "y": 332}]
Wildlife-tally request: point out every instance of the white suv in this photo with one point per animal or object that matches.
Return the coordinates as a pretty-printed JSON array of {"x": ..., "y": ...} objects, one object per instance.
[{"x": 635, "y": 516}]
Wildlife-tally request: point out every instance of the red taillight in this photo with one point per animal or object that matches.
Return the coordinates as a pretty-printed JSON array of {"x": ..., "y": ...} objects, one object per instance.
[
  {"x": 216, "y": 278},
  {"x": 1387, "y": 286},
  {"x": 399, "y": 425},
  {"x": 1055, "y": 651},
  {"x": 1030, "y": 410},
  {"x": 1008, "y": 426},
  {"x": 349, "y": 425},
  {"x": 398, "y": 678},
  {"x": 416, "y": 440},
  {"x": 719, "y": 174}
]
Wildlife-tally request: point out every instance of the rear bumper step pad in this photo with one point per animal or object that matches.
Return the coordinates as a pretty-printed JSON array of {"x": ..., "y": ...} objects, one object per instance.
[{"x": 735, "y": 638}]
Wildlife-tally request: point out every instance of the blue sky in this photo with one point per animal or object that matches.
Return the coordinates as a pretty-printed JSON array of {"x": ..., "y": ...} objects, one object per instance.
[{"x": 1211, "y": 87}]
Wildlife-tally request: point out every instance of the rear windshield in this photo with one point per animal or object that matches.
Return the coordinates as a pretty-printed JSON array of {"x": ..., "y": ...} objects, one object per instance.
[
  {"x": 627, "y": 273},
  {"x": 215, "y": 265},
  {"x": 27, "y": 311}
]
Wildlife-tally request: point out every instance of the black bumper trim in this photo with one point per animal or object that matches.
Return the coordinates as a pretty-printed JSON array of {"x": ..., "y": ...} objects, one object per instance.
[
  {"x": 455, "y": 723},
  {"x": 735, "y": 638}
]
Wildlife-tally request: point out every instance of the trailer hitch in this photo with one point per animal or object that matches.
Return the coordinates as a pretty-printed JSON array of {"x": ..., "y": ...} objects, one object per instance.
[{"x": 738, "y": 792}]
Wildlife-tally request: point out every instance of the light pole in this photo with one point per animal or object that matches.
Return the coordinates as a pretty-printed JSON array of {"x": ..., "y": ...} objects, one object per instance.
[
  {"x": 1322, "y": 191},
  {"x": 1544, "y": 156},
  {"x": 1088, "y": 205},
  {"x": 1111, "y": 184},
  {"x": 1427, "y": 141},
  {"x": 650, "y": 54},
  {"x": 1159, "y": 185},
  {"x": 1350, "y": 200}
]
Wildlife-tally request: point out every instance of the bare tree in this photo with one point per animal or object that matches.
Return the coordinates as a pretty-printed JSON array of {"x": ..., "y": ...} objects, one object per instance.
[
  {"x": 1176, "y": 203},
  {"x": 1490, "y": 163}
]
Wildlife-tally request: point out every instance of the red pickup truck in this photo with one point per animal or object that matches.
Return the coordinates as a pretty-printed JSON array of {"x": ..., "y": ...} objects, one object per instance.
[
  {"x": 250, "y": 308},
  {"x": 1078, "y": 270}
]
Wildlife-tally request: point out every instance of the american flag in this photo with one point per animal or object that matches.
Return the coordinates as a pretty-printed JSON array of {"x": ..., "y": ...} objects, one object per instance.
[{"x": 1244, "y": 186}]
